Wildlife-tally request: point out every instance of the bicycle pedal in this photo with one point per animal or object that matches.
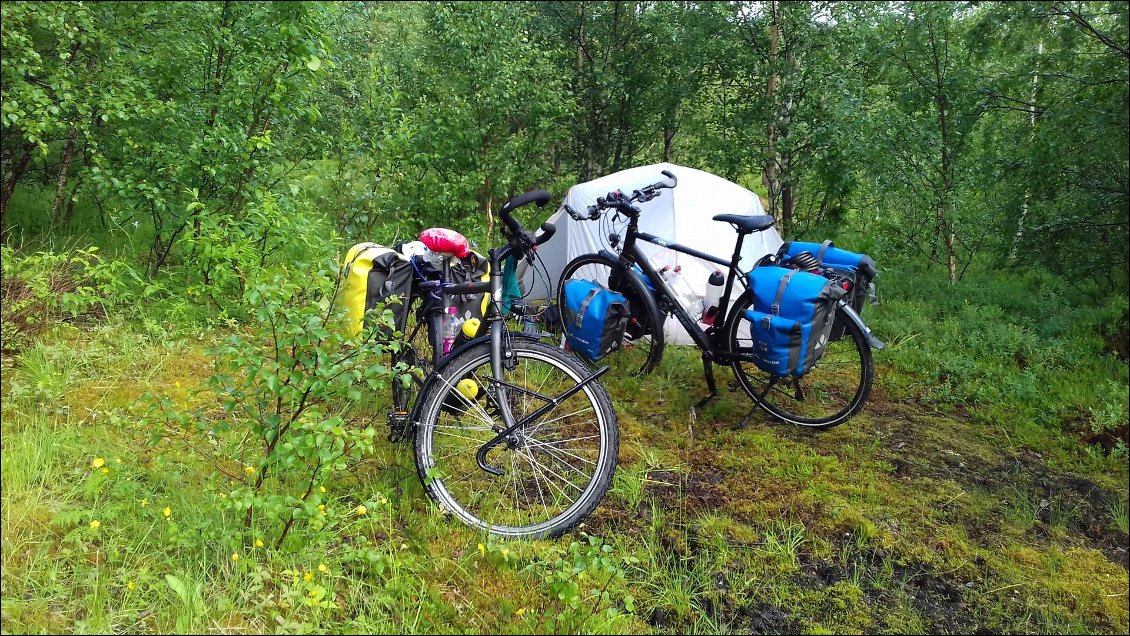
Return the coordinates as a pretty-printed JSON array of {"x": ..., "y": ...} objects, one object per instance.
[{"x": 397, "y": 425}]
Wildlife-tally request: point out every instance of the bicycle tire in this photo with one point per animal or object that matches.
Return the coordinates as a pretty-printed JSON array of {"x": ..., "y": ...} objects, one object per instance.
[
  {"x": 829, "y": 382},
  {"x": 648, "y": 321},
  {"x": 476, "y": 423}
]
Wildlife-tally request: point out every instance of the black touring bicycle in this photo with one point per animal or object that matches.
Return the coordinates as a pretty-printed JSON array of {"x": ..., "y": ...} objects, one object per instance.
[
  {"x": 822, "y": 396},
  {"x": 510, "y": 435}
]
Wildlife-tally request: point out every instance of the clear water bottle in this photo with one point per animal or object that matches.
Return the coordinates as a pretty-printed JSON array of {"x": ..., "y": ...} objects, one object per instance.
[
  {"x": 450, "y": 329},
  {"x": 713, "y": 297},
  {"x": 683, "y": 292}
]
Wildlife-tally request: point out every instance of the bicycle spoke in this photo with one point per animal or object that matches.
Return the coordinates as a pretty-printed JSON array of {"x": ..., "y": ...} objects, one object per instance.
[{"x": 537, "y": 482}]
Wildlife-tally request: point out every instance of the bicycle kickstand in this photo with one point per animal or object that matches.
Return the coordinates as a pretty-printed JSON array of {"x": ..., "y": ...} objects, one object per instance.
[
  {"x": 745, "y": 420},
  {"x": 708, "y": 373}
]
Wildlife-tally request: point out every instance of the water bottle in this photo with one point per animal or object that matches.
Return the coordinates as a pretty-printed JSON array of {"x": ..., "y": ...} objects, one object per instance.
[
  {"x": 450, "y": 328},
  {"x": 683, "y": 292},
  {"x": 712, "y": 298}
]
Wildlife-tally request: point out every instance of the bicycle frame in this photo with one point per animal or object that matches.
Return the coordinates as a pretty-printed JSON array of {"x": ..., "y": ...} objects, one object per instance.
[
  {"x": 499, "y": 352},
  {"x": 705, "y": 340}
]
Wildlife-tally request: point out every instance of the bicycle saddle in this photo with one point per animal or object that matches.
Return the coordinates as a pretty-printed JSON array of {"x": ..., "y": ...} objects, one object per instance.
[
  {"x": 747, "y": 224},
  {"x": 445, "y": 241}
]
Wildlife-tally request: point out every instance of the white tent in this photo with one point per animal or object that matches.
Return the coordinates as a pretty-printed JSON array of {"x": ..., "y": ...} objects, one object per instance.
[{"x": 682, "y": 215}]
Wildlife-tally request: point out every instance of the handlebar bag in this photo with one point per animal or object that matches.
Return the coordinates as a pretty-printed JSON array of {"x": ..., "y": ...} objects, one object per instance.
[
  {"x": 472, "y": 268},
  {"x": 594, "y": 317},
  {"x": 791, "y": 320},
  {"x": 376, "y": 277},
  {"x": 854, "y": 272}
]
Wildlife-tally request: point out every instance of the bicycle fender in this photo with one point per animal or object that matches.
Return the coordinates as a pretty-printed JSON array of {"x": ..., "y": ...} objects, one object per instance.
[
  {"x": 650, "y": 305},
  {"x": 874, "y": 342}
]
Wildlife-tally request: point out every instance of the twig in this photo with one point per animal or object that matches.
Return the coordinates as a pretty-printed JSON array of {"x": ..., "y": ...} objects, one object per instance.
[{"x": 1006, "y": 587}]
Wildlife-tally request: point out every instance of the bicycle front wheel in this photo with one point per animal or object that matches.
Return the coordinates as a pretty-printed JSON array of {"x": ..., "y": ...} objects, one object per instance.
[
  {"x": 828, "y": 395},
  {"x": 555, "y": 469},
  {"x": 642, "y": 347}
]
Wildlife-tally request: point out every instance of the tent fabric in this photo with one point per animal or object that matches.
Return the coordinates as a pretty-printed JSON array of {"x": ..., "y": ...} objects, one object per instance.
[{"x": 683, "y": 215}]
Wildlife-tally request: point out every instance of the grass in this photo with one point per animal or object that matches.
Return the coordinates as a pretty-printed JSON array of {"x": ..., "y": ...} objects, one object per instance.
[{"x": 961, "y": 498}]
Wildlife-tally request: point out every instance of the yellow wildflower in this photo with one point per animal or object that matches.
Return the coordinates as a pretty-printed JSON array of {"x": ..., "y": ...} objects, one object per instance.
[
  {"x": 144, "y": 502},
  {"x": 105, "y": 471},
  {"x": 176, "y": 384},
  {"x": 384, "y": 501},
  {"x": 258, "y": 543},
  {"x": 308, "y": 576},
  {"x": 321, "y": 489},
  {"x": 234, "y": 556},
  {"x": 361, "y": 509},
  {"x": 482, "y": 549},
  {"x": 518, "y": 612},
  {"x": 322, "y": 508},
  {"x": 95, "y": 524},
  {"x": 505, "y": 552},
  {"x": 98, "y": 462},
  {"x": 168, "y": 512},
  {"x": 249, "y": 470},
  {"x": 322, "y": 568},
  {"x": 130, "y": 586},
  {"x": 313, "y": 593}
]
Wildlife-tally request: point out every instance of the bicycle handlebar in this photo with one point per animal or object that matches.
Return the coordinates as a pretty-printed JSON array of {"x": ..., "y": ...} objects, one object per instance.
[
  {"x": 547, "y": 231},
  {"x": 622, "y": 203},
  {"x": 520, "y": 239},
  {"x": 540, "y": 197}
]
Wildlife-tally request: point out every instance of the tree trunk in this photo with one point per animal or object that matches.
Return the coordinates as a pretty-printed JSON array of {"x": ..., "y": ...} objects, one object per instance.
[
  {"x": 786, "y": 207},
  {"x": 944, "y": 218},
  {"x": 486, "y": 194},
  {"x": 69, "y": 215},
  {"x": 64, "y": 168},
  {"x": 1031, "y": 137},
  {"x": 951, "y": 254},
  {"x": 18, "y": 171},
  {"x": 772, "y": 173},
  {"x": 488, "y": 205}
]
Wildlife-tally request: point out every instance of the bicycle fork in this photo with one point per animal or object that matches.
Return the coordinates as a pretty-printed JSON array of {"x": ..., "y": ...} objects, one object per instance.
[{"x": 501, "y": 357}]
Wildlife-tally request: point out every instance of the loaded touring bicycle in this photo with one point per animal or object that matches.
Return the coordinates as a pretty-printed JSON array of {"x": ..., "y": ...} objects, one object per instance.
[{"x": 793, "y": 336}]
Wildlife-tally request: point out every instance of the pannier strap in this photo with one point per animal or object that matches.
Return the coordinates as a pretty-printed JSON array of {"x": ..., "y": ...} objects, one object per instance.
[
  {"x": 823, "y": 248},
  {"x": 781, "y": 291},
  {"x": 359, "y": 254},
  {"x": 585, "y": 305}
]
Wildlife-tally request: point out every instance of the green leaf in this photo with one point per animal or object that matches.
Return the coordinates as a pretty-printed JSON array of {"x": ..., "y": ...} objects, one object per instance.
[{"x": 314, "y": 63}]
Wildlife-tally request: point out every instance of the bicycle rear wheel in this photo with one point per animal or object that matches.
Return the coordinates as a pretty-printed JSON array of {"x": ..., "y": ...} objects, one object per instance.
[
  {"x": 828, "y": 395},
  {"x": 643, "y": 338},
  {"x": 556, "y": 469}
]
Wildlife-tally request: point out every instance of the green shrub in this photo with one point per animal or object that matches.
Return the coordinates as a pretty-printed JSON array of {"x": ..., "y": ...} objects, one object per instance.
[
  {"x": 289, "y": 388},
  {"x": 43, "y": 288}
]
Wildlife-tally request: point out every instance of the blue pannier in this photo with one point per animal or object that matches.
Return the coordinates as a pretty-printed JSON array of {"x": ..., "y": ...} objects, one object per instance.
[
  {"x": 594, "y": 318},
  {"x": 791, "y": 319},
  {"x": 854, "y": 272},
  {"x": 827, "y": 253}
]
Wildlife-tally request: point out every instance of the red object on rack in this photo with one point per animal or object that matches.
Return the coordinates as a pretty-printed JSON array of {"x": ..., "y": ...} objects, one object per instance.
[{"x": 443, "y": 240}]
